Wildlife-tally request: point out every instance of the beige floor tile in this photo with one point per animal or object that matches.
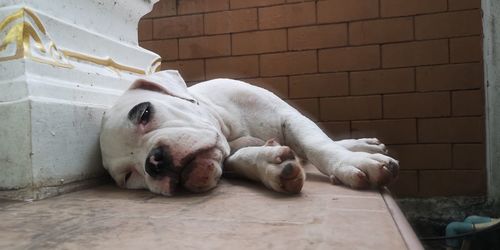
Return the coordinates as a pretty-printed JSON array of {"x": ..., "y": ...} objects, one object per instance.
[{"x": 236, "y": 215}]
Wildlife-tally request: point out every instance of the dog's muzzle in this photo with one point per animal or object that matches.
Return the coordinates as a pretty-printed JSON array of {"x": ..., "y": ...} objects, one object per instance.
[{"x": 197, "y": 172}]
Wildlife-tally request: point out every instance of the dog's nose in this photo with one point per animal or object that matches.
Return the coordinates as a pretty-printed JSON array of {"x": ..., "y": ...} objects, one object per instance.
[{"x": 159, "y": 162}]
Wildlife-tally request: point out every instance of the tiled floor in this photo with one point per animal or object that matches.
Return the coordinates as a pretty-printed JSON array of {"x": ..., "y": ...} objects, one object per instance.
[{"x": 236, "y": 215}]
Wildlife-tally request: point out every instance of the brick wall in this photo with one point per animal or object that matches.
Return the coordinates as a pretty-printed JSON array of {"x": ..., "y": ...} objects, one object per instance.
[{"x": 406, "y": 71}]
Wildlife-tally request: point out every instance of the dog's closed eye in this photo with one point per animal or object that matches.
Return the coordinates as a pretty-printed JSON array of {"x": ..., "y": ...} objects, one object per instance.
[{"x": 141, "y": 113}]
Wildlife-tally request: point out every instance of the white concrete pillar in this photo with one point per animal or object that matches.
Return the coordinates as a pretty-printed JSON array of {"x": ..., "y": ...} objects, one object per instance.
[
  {"x": 62, "y": 63},
  {"x": 491, "y": 48}
]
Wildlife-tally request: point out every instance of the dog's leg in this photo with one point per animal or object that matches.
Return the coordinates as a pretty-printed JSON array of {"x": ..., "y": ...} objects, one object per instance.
[
  {"x": 367, "y": 145},
  {"x": 245, "y": 141},
  {"x": 355, "y": 169},
  {"x": 274, "y": 165}
]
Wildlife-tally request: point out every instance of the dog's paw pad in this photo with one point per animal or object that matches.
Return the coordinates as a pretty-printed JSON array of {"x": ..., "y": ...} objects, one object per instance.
[
  {"x": 284, "y": 172},
  {"x": 292, "y": 177}
]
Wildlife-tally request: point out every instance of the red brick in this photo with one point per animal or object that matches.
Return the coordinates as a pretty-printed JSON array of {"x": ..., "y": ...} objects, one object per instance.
[
  {"x": 259, "y": 42},
  {"x": 319, "y": 85},
  {"x": 469, "y": 102},
  {"x": 350, "y": 58},
  {"x": 449, "y": 24},
  {"x": 406, "y": 185},
  {"x": 350, "y": 108},
  {"x": 206, "y": 46},
  {"x": 163, "y": 8},
  {"x": 198, "y": 6},
  {"x": 231, "y": 21},
  {"x": 431, "y": 104},
  {"x": 450, "y": 182},
  {"x": 469, "y": 156},
  {"x": 145, "y": 29},
  {"x": 277, "y": 85},
  {"x": 422, "y": 156},
  {"x": 191, "y": 70},
  {"x": 450, "y": 77},
  {"x": 466, "y": 49},
  {"x": 336, "y": 130},
  {"x": 288, "y": 15},
  {"x": 233, "y": 67},
  {"x": 464, "y": 4},
  {"x": 411, "y": 7},
  {"x": 289, "y": 63},
  {"x": 456, "y": 129},
  {"x": 382, "y": 81},
  {"x": 415, "y": 53},
  {"x": 340, "y": 11},
  {"x": 313, "y": 37},
  {"x": 236, "y": 4},
  {"x": 308, "y": 107},
  {"x": 389, "y": 131},
  {"x": 167, "y": 49},
  {"x": 178, "y": 26},
  {"x": 381, "y": 31}
]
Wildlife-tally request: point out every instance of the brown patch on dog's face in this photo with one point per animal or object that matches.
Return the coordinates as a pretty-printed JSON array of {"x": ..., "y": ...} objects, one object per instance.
[{"x": 203, "y": 172}]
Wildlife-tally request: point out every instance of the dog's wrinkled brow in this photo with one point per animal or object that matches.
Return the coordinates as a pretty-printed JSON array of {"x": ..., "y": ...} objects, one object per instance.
[{"x": 135, "y": 113}]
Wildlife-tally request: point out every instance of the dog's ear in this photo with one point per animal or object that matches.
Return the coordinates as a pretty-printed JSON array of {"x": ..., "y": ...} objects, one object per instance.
[{"x": 167, "y": 82}]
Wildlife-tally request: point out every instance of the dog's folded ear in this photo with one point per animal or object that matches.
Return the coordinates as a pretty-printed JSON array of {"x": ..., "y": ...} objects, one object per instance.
[{"x": 167, "y": 82}]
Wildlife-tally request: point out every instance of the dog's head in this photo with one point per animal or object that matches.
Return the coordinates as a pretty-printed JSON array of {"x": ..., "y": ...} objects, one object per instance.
[{"x": 158, "y": 136}]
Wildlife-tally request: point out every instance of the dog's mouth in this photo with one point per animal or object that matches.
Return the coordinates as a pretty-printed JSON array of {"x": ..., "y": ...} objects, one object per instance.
[
  {"x": 198, "y": 172},
  {"x": 202, "y": 172}
]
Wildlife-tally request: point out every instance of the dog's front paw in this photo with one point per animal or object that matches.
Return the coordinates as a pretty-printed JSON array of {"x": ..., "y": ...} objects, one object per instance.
[
  {"x": 283, "y": 172},
  {"x": 367, "y": 145},
  {"x": 362, "y": 170}
]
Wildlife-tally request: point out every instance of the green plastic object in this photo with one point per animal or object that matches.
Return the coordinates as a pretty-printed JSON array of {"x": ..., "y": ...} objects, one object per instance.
[
  {"x": 456, "y": 228},
  {"x": 467, "y": 226},
  {"x": 474, "y": 219}
]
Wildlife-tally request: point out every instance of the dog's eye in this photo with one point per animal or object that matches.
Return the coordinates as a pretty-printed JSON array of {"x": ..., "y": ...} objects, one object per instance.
[
  {"x": 127, "y": 176},
  {"x": 141, "y": 113},
  {"x": 146, "y": 116}
]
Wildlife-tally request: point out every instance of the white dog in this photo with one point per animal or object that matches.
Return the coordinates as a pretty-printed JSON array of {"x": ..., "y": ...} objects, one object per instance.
[{"x": 161, "y": 135}]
